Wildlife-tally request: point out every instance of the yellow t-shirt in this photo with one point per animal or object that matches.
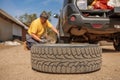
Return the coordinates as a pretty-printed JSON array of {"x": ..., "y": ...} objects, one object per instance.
[{"x": 38, "y": 28}]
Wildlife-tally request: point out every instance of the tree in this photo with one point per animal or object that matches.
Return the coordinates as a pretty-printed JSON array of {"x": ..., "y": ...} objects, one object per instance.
[
  {"x": 50, "y": 13},
  {"x": 27, "y": 18}
]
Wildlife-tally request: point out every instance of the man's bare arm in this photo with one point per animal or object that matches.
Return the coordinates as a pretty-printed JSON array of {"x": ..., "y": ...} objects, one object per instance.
[
  {"x": 55, "y": 30},
  {"x": 35, "y": 37}
]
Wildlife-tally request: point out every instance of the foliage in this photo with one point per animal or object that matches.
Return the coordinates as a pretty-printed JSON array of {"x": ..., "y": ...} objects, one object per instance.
[
  {"x": 27, "y": 18},
  {"x": 50, "y": 13}
]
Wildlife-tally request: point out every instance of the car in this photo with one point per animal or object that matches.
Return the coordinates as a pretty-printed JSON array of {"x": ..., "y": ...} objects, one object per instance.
[{"x": 77, "y": 23}]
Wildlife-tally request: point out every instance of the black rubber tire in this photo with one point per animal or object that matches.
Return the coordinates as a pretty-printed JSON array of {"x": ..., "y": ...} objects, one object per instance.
[
  {"x": 66, "y": 58},
  {"x": 116, "y": 43},
  {"x": 117, "y": 46}
]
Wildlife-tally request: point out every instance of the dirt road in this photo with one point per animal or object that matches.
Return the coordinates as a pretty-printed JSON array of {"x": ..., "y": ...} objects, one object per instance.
[{"x": 15, "y": 65}]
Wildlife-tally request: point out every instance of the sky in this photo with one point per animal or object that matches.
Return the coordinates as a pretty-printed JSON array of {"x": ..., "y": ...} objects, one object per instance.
[{"x": 20, "y": 7}]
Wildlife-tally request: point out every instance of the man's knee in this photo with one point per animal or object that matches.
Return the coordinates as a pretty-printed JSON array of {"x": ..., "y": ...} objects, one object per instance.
[{"x": 29, "y": 45}]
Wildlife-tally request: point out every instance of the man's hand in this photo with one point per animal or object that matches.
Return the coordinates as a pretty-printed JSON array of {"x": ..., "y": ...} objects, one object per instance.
[
  {"x": 43, "y": 41},
  {"x": 35, "y": 37},
  {"x": 55, "y": 30}
]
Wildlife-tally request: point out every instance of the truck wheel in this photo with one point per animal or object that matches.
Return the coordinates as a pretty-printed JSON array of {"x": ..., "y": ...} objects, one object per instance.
[
  {"x": 117, "y": 43},
  {"x": 66, "y": 58},
  {"x": 117, "y": 46}
]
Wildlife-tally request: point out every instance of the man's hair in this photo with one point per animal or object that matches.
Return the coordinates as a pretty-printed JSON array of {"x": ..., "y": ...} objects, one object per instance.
[{"x": 44, "y": 14}]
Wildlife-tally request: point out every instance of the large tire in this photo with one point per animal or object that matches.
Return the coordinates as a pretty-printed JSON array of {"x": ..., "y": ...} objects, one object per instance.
[{"x": 66, "y": 58}]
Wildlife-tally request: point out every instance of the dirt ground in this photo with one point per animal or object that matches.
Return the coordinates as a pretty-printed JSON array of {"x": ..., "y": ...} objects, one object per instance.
[{"x": 15, "y": 64}]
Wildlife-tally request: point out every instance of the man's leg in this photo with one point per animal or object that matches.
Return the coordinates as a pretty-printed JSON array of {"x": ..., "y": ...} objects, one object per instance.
[{"x": 30, "y": 41}]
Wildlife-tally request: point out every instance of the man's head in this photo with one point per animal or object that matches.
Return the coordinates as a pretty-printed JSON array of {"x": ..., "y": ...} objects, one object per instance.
[{"x": 44, "y": 16}]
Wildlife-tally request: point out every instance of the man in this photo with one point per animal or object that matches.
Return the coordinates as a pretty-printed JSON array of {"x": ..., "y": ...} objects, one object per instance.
[{"x": 37, "y": 30}]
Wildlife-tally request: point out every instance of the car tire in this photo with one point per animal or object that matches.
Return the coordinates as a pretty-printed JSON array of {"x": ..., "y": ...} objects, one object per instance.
[
  {"x": 117, "y": 46},
  {"x": 66, "y": 58},
  {"x": 116, "y": 43}
]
